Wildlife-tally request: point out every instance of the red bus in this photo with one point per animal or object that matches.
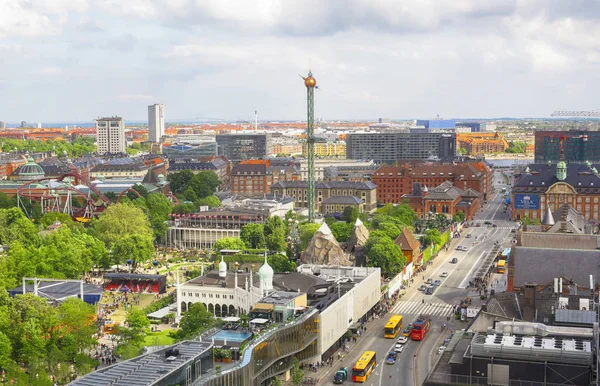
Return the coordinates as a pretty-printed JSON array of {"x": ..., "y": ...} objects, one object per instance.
[{"x": 420, "y": 327}]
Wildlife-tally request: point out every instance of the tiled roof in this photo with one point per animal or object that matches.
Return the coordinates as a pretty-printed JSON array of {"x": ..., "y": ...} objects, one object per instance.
[
  {"x": 118, "y": 167},
  {"x": 406, "y": 240},
  {"x": 249, "y": 169},
  {"x": 326, "y": 185},
  {"x": 543, "y": 176},
  {"x": 559, "y": 240},
  {"x": 345, "y": 200},
  {"x": 445, "y": 191}
]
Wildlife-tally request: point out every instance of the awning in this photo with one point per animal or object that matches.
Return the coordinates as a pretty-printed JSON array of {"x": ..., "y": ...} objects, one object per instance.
[
  {"x": 160, "y": 313},
  {"x": 231, "y": 319},
  {"x": 259, "y": 321}
]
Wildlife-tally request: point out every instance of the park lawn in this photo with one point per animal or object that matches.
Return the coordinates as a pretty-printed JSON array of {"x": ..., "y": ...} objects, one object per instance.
[{"x": 160, "y": 338}]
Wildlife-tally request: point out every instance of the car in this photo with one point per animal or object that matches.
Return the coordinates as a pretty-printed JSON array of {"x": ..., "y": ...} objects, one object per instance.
[
  {"x": 464, "y": 248},
  {"x": 459, "y": 248},
  {"x": 429, "y": 281},
  {"x": 429, "y": 291},
  {"x": 494, "y": 226},
  {"x": 423, "y": 287},
  {"x": 402, "y": 340},
  {"x": 454, "y": 260},
  {"x": 406, "y": 332},
  {"x": 513, "y": 231},
  {"x": 441, "y": 349},
  {"x": 487, "y": 222},
  {"x": 340, "y": 376},
  {"x": 437, "y": 283},
  {"x": 444, "y": 274},
  {"x": 478, "y": 225},
  {"x": 469, "y": 236},
  {"x": 399, "y": 348},
  {"x": 391, "y": 358}
]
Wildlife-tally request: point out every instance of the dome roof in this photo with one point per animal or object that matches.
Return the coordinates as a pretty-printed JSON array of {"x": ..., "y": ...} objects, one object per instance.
[
  {"x": 266, "y": 272},
  {"x": 30, "y": 171},
  {"x": 222, "y": 268}
]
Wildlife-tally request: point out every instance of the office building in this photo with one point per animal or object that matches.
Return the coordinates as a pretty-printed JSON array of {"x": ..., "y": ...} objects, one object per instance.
[
  {"x": 110, "y": 135},
  {"x": 436, "y": 123},
  {"x": 390, "y": 146},
  {"x": 253, "y": 178},
  {"x": 239, "y": 147},
  {"x": 156, "y": 122},
  {"x": 474, "y": 126},
  {"x": 2, "y": 125},
  {"x": 579, "y": 146},
  {"x": 23, "y": 124}
]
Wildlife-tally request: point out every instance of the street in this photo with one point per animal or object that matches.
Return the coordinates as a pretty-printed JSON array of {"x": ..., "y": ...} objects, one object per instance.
[{"x": 414, "y": 362}]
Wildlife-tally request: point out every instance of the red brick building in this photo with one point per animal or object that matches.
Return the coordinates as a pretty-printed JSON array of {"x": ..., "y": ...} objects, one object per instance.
[
  {"x": 393, "y": 182},
  {"x": 254, "y": 179},
  {"x": 443, "y": 199}
]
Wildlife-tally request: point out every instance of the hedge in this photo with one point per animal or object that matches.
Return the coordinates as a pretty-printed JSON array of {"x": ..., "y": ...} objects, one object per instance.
[{"x": 161, "y": 303}]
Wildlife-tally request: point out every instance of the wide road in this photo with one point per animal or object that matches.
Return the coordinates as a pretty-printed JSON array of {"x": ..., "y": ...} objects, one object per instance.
[{"x": 418, "y": 357}]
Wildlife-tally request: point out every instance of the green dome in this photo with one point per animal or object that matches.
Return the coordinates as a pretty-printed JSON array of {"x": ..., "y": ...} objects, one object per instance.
[{"x": 30, "y": 171}]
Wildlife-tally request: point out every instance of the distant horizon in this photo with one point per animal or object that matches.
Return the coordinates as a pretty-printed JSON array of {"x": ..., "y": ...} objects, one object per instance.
[{"x": 32, "y": 124}]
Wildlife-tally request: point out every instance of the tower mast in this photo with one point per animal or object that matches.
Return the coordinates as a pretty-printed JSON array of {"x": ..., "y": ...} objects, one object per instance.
[{"x": 310, "y": 84}]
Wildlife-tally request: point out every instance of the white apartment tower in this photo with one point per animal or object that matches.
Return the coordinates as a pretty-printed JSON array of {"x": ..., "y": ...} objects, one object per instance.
[
  {"x": 156, "y": 122},
  {"x": 110, "y": 135}
]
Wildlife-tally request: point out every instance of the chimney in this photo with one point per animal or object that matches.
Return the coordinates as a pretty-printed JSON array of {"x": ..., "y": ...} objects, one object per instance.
[{"x": 529, "y": 310}]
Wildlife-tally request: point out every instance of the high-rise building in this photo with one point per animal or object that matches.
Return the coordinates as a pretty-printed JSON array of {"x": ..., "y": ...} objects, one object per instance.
[
  {"x": 110, "y": 135},
  {"x": 239, "y": 147},
  {"x": 23, "y": 124},
  {"x": 2, "y": 125},
  {"x": 391, "y": 146},
  {"x": 579, "y": 146},
  {"x": 156, "y": 122}
]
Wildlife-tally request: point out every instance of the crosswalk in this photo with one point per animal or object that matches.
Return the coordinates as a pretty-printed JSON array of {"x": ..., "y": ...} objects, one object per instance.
[{"x": 419, "y": 308}]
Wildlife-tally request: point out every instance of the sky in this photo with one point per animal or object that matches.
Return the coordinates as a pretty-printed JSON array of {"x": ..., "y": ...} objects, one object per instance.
[{"x": 75, "y": 60}]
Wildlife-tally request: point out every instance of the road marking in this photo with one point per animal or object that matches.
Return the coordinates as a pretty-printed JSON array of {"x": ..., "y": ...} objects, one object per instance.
[
  {"x": 418, "y": 308},
  {"x": 476, "y": 265}
]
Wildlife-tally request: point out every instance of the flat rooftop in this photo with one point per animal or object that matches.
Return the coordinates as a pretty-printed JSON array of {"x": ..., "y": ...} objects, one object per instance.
[{"x": 145, "y": 369}]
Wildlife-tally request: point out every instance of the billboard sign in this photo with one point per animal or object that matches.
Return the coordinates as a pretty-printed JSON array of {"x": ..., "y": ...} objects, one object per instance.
[{"x": 527, "y": 201}]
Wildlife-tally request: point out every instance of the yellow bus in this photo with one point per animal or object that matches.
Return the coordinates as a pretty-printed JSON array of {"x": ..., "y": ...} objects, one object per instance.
[
  {"x": 501, "y": 266},
  {"x": 393, "y": 327},
  {"x": 364, "y": 366}
]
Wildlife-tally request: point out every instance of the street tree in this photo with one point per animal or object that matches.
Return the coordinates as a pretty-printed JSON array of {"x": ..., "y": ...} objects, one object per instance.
[
  {"x": 297, "y": 373},
  {"x": 384, "y": 253}
]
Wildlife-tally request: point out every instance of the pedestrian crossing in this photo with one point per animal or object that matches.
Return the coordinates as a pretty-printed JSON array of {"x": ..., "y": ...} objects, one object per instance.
[{"x": 419, "y": 308}]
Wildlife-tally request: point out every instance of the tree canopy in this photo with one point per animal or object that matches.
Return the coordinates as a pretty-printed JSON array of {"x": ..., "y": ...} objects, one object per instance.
[
  {"x": 281, "y": 263},
  {"x": 193, "y": 322},
  {"x": 342, "y": 230},
  {"x": 382, "y": 252},
  {"x": 350, "y": 214},
  {"x": 229, "y": 243},
  {"x": 189, "y": 185},
  {"x": 119, "y": 221},
  {"x": 253, "y": 236}
]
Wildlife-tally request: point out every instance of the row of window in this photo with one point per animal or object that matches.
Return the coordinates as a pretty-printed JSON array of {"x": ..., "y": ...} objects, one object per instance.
[{"x": 210, "y": 296}]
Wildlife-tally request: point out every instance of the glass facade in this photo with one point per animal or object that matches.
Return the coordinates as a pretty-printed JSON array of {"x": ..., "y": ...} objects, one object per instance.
[
  {"x": 579, "y": 146},
  {"x": 239, "y": 147},
  {"x": 271, "y": 354}
]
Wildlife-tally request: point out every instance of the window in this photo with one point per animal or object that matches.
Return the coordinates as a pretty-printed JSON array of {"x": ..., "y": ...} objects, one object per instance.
[
  {"x": 210, "y": 295},
  {"x": 217, "y": 296}
]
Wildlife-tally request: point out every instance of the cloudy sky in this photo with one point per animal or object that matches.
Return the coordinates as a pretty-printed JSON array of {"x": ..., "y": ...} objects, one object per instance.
[{"x": 74, "y": 60}]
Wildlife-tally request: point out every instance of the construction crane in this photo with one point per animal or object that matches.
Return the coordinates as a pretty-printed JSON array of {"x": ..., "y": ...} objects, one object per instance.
[{"x": 567, "y": 113}]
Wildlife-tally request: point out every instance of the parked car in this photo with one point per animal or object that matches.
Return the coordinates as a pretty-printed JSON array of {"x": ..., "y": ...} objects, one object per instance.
[
  {"x": 399, "y": 348},
  {"x": 391, "y": 358},
  {"x": 437, "y": 283},
  {"x": 402, "y": 340},
  {"x": 444, "y": 274},
  {"x": 441, "y": 349}
]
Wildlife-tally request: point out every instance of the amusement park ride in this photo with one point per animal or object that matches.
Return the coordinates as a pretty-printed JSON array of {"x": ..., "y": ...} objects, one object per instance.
[{"x": 65, "y": 194}]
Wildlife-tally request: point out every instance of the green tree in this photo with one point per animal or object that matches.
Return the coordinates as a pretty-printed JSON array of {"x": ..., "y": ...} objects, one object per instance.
[
  {"x": 184, "y": 208},
  {"x": 194, "y": 321},
  {"x": 253, "y": 235},
  {"x": 136, "y": 319},
  {"x": 384, "y": 253},
  {"x": 276, "y": 381},
  {"x": 6, "y": 202},
  {"x": 135, "y": 247},
  {"x": 5, "y": 351},
  {"x": 404, "y": 213},
  {"x": 119, "y": 221},
  {"x": 342, "y": 230},
  {"x": 390, "y": 229},
  {"x": 77, "y": 323},
  {"x": 49, "y": 218},
  {"x": 275, "y": 231},
  {"x": 297, "y": 373},
  {"x": 178, "y": 181},
  {"x": 350, "y": 214},
  {"x": 432, "y": 236},
  {"x": 210, "y": 201},
  {"x": 159, "y": 209},
  {"x": 15, "y": 226},
  {"x": 280, "y": 263},
  {"x": 229, "y": 243},
  {"x": 458, "y": 217}
]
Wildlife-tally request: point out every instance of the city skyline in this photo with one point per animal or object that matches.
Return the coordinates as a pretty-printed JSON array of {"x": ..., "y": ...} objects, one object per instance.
[{"x": 225, "y": 60}]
